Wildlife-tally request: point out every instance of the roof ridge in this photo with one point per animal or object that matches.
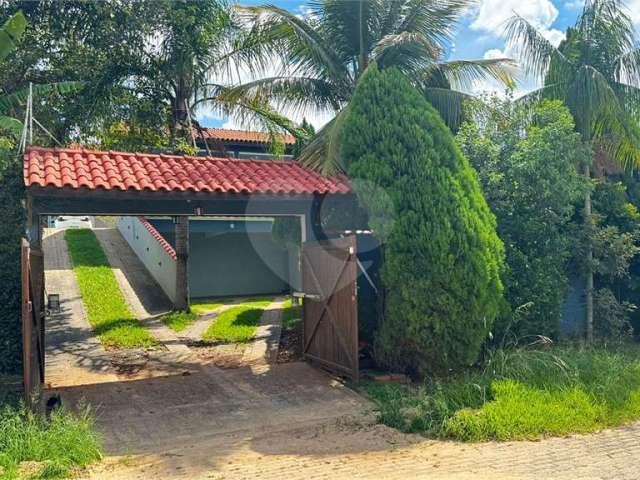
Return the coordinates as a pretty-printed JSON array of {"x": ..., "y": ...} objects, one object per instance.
[{"x": 163, "y": 155}]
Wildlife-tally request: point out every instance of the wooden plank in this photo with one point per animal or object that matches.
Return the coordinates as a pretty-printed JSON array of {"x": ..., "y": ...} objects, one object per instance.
[
  {"x": 330, "y": 330},
  {"x": 27, "y": 324}
]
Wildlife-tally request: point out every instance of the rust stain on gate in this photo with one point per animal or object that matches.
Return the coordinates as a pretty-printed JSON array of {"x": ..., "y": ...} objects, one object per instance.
[{"x": 329, "y": 274}]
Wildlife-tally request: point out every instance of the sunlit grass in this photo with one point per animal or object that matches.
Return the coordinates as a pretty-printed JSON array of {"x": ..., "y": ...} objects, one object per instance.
[
  {"x": 179, "y": 321},
  {"x": 104, "y": 303},
  {"x": 237, "y": 324},
  {"x": 52, "y": 449},
  {"x": 202, "y": 306},
  {"x": 291, "y": 315}
]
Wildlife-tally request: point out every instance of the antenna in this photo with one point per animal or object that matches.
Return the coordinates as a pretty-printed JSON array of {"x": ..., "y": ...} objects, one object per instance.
[{"x": 27, "y": 129}]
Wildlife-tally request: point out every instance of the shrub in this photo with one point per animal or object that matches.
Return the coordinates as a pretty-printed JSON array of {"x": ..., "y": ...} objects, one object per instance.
[
  {"x": 442, "y": 255},
  {"x": 527, "y": 167}
]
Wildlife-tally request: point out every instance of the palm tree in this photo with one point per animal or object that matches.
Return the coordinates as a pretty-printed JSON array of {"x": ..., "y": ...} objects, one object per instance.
[
  {"x": 325, "y": 54},
  {"x": 596, "y": 73},
  {"x": 191, "y": 52}
]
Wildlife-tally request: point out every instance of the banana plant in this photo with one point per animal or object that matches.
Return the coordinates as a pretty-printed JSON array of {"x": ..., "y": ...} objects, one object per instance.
[{"x": 11, "y": 33}]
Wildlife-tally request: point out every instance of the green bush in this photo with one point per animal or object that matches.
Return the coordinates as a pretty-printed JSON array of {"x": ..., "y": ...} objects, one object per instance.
[
  {"x": 442, "y": 255},
  {"x": 11, "y": 230},
  {"x": 528, "y": 170},
  {"x": 66, "y": 442}
]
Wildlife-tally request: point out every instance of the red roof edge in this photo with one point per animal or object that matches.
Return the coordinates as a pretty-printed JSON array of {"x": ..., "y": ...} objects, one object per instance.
[{"x": 158, "y": 236}]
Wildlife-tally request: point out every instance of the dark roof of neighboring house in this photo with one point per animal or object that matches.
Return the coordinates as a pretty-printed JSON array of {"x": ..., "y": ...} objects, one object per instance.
[
  {"x": 240, "y": 136},
  {"x": 81, "y": 168}
]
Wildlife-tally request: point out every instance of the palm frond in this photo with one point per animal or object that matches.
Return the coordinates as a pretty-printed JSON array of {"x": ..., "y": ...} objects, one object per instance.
[
  {"x": 434, "y": 20},
  {"x": 10, "y": 34},
  {"x": 408, "y": 50},
  {"x": 463, "y": 74},
  {"x": 323, "y": 152},
  {"x": 449, "y": 104},
  {"x": 592, "y": 101},
  {"x": 628, "y": 68},
  {"x": 289, "y": 92},
  {"x": 280, "y": 31},
  {"x": 19, "y": 98},
  {"x": 606, "y": 18},
  {"x": 533, "y": 50},
  {"x": 258, "y": 114}
]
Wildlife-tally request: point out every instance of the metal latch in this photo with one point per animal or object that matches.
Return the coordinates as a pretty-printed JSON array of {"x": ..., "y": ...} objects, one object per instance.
[{"x": 310, "y": 296}]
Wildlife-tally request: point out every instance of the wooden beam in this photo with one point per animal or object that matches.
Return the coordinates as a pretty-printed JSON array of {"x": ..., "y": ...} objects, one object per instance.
[{"x": 182, "y": 262}]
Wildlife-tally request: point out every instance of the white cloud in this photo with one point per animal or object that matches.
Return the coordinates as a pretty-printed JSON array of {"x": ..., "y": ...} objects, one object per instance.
[
  {"x": 494, "y": 53},
  {"x": 633, "y": 7},
  {"x": 554, "y": 36},
  {"x": 574, "y": 5},
  {"x": 493, "y": 14}
]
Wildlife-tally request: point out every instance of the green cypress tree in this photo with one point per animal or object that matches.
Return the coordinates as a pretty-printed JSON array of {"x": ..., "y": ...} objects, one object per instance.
[{"x": 443, "y": 258}]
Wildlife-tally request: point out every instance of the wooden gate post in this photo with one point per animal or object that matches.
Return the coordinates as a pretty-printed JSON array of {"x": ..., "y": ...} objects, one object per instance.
[
  {"x": 182, "y": 263},
  {"x": 33, "y": 311}
]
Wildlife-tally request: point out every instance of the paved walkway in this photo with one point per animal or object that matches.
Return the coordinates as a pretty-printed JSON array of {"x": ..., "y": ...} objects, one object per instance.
[
  {"x": 160, "y": 414},
  {"x": 264, "y": 348},
  {"x": 148, "y": 303},
  {"x": 341, "y": 450},
  {"x": 74, "y": 356}
]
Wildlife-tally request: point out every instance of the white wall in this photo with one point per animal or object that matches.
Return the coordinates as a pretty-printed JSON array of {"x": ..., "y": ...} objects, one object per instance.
[{"x": 151, "y": 252}]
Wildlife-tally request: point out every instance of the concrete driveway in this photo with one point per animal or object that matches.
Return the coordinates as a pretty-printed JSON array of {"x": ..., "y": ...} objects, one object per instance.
[{"x": 157, "y": 414}]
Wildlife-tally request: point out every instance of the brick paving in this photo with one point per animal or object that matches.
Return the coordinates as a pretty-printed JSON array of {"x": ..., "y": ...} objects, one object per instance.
[{"x": 344, "y": 450}]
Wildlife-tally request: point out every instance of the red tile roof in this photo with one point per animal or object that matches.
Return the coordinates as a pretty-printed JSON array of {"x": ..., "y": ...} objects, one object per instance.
[
  {"x": 80, "y": 168},
  {"x": 159, "y": 238},
  {"x": 242, "y": 136}
]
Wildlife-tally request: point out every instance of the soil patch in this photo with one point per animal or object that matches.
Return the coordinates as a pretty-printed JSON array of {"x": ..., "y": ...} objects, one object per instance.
[
  {"x": 222, "y": 355},
  {"x": 290, "y": 347}
]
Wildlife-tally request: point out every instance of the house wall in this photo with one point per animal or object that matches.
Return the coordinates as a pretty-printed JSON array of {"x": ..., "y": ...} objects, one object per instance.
[
  {"x": 230, "y": 257},
  {"x": 153, "y": 254}
]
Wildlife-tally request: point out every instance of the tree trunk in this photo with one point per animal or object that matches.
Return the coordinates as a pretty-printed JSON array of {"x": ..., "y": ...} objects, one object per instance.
[{"x": 589, "y": 271}]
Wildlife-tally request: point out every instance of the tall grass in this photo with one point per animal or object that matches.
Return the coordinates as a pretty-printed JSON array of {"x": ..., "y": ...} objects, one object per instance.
[
  {"x": 53, "y": 449},
  {"x": 106, "y": 308},
  {"x": 521, "y": 394}
]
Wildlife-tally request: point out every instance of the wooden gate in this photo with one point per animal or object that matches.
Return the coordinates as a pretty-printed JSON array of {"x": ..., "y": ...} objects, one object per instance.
[
  {"x": 329, "y": 273},
  {"x": 32, "y": 321}
]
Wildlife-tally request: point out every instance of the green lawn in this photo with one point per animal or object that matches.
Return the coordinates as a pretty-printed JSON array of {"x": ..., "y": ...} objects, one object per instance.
[
  {"x": 179, "y": 321},
  {"x": 522, "y": 394},
  {"x": 104, "y": 303},
  {"x": 52, "y": 449},
  {"x": 202, "y": 306},
  {"x": 237, "y": 324}
]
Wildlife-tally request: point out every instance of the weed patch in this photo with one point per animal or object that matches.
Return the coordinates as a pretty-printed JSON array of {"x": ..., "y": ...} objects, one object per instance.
[
  {"x": 520, "y": 394},
  {"x": 31, "y": 447}
]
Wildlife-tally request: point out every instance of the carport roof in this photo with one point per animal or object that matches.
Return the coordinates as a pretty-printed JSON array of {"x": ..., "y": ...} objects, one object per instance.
[{"x": 100, "y": 170}]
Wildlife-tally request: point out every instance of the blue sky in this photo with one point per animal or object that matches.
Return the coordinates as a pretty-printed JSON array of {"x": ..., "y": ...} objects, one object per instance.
[{"x": 479, "y": 33}]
